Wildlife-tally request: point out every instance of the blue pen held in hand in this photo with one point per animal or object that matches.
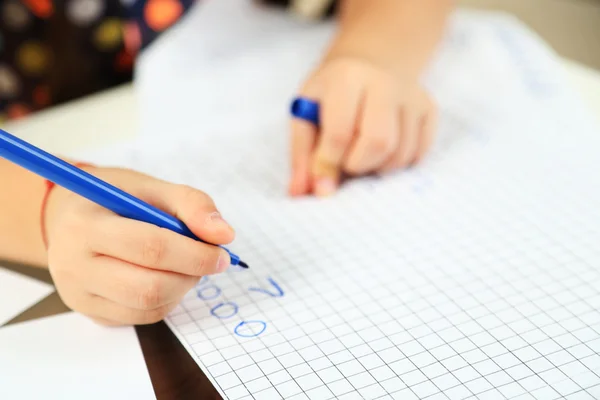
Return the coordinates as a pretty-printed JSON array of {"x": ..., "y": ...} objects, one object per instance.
[{"x": 86, "y": 185}]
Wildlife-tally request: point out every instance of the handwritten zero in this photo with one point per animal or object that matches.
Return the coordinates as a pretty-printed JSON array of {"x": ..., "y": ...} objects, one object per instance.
[{"x": 206, "y": 290}]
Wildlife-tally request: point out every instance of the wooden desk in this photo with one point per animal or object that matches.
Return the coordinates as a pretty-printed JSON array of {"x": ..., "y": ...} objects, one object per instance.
[{"x": 107, "y": 118}]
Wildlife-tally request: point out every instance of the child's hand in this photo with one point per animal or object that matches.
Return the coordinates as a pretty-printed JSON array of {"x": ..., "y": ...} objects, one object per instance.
[
  {"x": 121, "y": 271},
  {"x": 372, "y": 121}
]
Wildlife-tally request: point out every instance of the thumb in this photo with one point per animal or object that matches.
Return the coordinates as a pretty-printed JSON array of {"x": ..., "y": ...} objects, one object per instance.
[{"x": 193, "y": 207}]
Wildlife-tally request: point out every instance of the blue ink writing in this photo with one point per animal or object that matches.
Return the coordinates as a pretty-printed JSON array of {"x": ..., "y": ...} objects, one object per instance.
[
  {"x": 248, "y": 327},
  {"x": 224, "y": 315},
  {"x": 209, "y": 292},
  {"x": 277, "y": 293},
  {"x": 205, "y": 290}
]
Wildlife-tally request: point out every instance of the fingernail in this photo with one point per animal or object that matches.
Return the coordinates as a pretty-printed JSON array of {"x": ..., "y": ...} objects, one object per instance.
[
  {"x": 217, "y": 219},
  {"x": 325, "y": 187},
  {"x": 223, "y": 262},
  {"x": 215, "y": 216}
]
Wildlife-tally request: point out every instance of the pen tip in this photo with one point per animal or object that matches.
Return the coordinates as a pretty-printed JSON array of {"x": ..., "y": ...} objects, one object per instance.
[{"x": 243, "y": 265}]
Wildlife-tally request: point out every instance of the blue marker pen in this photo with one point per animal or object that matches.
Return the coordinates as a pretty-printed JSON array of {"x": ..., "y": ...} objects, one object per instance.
[
  {"x": 86, "y": 185},
  {"x": 306, "y": 109}
]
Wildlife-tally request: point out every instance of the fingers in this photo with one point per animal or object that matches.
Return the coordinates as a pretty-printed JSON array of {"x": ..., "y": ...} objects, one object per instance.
[
  {"x": 417, "y": 131},
  {"x": 134, "y": 286},
  {"x": 303, "y": 139},
  {"x": 193, "y": 207},
  {"x": 408, "y": 141},
  {"x": 106, "y": 312},
  {"x": 367, "y": 125},
  {"x": 428, "y": 131},
  {"x": 388, "y": 136},
  {"x": 378, "y": 136},
  {"x": 304, "y": 134},
  {"x": 149, "y": 246},
  {"x": 112, "y": 292},
  {"x": 339, "y": 116}
]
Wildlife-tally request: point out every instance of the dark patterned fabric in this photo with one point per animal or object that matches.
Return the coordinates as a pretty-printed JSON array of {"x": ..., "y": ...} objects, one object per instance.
[{"x": 52, "y": 51}]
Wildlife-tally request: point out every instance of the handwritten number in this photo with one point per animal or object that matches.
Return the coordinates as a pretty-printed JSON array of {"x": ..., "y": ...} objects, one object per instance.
[
  {"x": 278, "y": 291},
  {"x": 205, "y": 293},
  {"x": 234, "y": 309},
  {"x": 248, "y": 331},
  {"x": 205, "y": 290}
]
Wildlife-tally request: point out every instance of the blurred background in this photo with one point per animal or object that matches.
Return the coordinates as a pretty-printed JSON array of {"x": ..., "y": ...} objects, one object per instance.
[
  {"x": 571, "y": 27},
  {"x": 56, "y": 52}
]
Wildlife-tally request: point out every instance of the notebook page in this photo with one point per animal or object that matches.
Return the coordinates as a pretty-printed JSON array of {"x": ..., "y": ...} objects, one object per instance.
[{"x": 474, "y": 275}]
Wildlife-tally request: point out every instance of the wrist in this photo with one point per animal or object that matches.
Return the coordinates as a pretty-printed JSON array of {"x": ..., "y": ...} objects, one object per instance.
[
  {"x": 397, "y": 35},
  {"x": 380, "y": 50},
  {"x": 404, "y": 69},
  {"x": 52, "y": 201}
]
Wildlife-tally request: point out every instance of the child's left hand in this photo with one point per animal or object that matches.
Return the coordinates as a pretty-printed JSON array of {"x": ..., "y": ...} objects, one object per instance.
[{"x": 372, "y": 121}]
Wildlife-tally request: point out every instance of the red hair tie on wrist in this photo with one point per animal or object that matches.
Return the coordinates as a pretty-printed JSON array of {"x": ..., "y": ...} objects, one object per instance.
[{"x": 49, "y": 186}]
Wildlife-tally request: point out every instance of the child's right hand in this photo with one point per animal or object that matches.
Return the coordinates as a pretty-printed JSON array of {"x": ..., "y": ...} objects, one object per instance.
[{"x": 120, "y": 271}]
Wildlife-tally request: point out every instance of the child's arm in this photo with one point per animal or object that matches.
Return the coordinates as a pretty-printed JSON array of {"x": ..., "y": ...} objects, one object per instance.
[
  {"x": 20, "y": 202},
  {"x": 113, "y": 269},
  {"x": 375, "y": 115},
  {"x": 400, "y": 34}
]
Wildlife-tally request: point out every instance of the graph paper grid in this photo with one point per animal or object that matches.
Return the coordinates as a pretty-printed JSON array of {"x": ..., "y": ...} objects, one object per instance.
[{"x": 468, "y": 277}]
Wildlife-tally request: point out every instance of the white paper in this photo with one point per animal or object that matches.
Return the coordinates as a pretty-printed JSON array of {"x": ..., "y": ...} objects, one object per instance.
[
  {"x": 68, "y": 356},
  {"x": 18, "y": 293},
  {"x": 474, "y": 275}
]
